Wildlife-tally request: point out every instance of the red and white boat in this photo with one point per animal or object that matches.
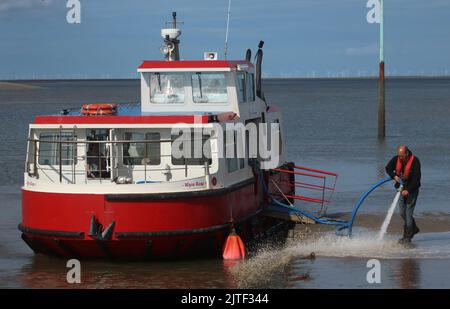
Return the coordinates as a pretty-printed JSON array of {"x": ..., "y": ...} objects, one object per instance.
[{"x": 104, "y": 182}]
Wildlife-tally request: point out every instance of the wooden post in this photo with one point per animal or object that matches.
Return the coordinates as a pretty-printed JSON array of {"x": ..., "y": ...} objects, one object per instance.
[{"x": 381, "y": 103}]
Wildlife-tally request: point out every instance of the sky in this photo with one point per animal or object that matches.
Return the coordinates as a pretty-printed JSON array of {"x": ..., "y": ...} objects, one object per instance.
[{"x": 303, "y": 38}]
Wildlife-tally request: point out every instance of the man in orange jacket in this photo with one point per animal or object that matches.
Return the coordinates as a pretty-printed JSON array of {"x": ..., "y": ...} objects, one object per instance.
[{"x": 404, "y": 168}]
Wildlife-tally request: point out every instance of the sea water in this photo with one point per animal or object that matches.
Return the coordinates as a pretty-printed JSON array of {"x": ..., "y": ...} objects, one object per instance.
[{"x": 328, "y": 126}]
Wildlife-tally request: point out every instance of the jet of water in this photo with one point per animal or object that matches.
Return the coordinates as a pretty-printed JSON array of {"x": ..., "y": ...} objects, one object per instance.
[{"x": 388, "y": 218}]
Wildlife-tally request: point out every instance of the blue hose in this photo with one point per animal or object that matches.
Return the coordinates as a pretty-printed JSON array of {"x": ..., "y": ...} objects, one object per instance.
[
  {"x": 361, "y": 200},
  {"x": 341, "y": 224}
]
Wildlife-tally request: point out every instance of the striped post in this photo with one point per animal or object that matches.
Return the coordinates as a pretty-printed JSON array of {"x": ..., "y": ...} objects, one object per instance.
[{"x": 381, "y": 102}]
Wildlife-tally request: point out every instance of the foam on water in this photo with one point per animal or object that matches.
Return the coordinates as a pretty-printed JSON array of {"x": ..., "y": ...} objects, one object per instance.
[
  {"x": 260, "y": 269},
  {"x": 364, "y": 244}
]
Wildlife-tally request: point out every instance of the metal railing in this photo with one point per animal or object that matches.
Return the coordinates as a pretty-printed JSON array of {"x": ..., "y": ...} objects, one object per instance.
[
  {"x": 302, "y": 177},
  {"x": 107, "y": 163}
]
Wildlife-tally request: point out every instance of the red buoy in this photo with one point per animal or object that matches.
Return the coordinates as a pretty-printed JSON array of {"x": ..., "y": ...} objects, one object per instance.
[{"x": 234, "y": 248}]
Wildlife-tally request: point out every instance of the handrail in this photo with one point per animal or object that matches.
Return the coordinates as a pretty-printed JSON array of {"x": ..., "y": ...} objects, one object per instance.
[
  {"x": 315, "y": 170},
  {"x": 297, "y": 173},
  {"x": 60, "y": 155},
  {"x": 84, "y": 156},
  {"x": 35, "y": 160},
  {"x": 312, "y": 173},
  {"x": 298, "y": 211},
  {"x": 117, "y": 141},
  {"x": 306, "y": 185},
  {"x": 200, "y": 167},
  {"x": 61, "y": 162},
  {"x": 340, "y": 224}
]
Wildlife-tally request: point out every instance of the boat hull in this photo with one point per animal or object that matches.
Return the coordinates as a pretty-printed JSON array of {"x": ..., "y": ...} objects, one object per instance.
[{"x": 147, "y": 226}]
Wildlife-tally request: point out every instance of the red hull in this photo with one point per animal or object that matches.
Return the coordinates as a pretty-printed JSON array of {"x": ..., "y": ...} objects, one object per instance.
[{"x": 145, "y": 226}]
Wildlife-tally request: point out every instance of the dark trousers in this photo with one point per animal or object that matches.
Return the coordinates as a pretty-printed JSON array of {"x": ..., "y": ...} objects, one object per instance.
[{"x": 407, "y": 205}]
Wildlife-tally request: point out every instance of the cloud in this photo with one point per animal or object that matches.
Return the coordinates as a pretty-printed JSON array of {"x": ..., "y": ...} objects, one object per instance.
[
  {"x": 371, "y": 49},
  {"x": 6, "y": 5}
]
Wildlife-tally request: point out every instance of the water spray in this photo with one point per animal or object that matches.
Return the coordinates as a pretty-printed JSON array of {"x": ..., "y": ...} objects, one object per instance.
[
  {"x": 341, "y": 225},
  {"x": 388, "y": 218}
]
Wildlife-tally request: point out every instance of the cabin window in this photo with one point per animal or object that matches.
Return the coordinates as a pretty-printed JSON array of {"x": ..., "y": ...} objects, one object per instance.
[
  {"x": 140, "y": 152},
  {"x": 98, "y": 153},
  {"x": 240, "y": 87},
  {"x": 167, "y": 88},
  {"x": 49, "y": 148},
  {"x": 195, "y": 156},
  {"x": 251, "y": 87},
  {"x": 233, "y": 163},
  {"x": 209, "y": 88}
]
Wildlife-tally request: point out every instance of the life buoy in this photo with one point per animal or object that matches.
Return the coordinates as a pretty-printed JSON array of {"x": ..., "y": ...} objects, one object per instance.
[{"x": 98, "y": 109}]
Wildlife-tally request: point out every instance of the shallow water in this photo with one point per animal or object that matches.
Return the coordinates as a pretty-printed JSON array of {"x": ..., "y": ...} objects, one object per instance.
[
  {"x": 341, "y": 262},
  {"x": 329, "y": 124}
]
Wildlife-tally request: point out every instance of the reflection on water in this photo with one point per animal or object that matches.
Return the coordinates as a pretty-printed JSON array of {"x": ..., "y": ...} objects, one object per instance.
[
  {"x": 46, "y": 272},
  {"x": 407, "y": 274}
]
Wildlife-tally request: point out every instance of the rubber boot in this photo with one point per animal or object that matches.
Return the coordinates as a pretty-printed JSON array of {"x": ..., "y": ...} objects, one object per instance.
[
  {"x": 408, "y": 235},
  {"x": 414, "y": 229},
  {"x": 405, "y": 235}
]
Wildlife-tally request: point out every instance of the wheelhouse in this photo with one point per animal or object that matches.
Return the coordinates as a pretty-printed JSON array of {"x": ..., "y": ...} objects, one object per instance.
[
  {"x": 196, "y": 86},
  {"x": 135, "y": 144}
]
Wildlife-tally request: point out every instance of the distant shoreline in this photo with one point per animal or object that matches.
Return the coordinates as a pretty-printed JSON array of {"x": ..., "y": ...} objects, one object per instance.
[
  {"x": 19, "y": 83},
  {"x": 16, "y": 84}
]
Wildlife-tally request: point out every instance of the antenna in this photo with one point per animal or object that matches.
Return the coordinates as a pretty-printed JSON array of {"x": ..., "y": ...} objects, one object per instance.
[{"x": 228, "y": 26}]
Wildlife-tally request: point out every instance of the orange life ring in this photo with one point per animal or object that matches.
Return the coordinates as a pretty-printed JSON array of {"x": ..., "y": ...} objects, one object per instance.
[{"x": 97, "y": 109}]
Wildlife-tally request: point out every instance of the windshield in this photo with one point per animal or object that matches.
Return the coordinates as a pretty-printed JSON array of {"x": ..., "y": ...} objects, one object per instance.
[
  {"x": 209, "y": 88},
  {"x": 167, "y": 88}
]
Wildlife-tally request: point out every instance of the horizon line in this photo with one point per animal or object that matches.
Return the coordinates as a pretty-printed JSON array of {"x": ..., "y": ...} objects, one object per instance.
[{"x": 264, "y": 78}]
